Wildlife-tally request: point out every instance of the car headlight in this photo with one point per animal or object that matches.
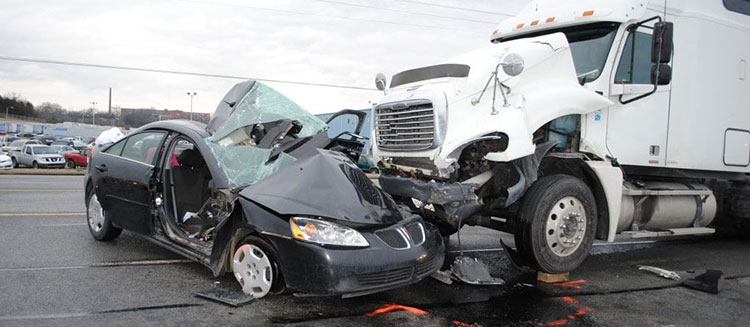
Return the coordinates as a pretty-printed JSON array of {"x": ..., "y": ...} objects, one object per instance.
[
  {"x": 513, "y": 64},
  {"x": 323, "y": 232}
]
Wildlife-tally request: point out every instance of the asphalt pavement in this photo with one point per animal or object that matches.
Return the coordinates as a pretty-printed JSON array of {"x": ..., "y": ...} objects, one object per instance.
[{"x": 52, "y": 273}]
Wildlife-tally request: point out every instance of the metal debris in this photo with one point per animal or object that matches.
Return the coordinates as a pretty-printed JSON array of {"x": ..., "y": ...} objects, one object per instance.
[
  {"x": 473, "y": 271},
  {"x": 661, "y": 272}
]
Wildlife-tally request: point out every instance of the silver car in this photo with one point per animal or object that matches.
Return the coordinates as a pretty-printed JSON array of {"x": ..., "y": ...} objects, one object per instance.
[{"x": 37, "y": 156}]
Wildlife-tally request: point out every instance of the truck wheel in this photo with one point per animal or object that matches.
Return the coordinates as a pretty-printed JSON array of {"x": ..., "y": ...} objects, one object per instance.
[
  {"x": 14, "y": 162},
  {"x": 70, "y": 164},
  {"x": 34, "y": 165},
  {"x": 100, "y": 226},
  {"x": 557, "y": 222},
  {"x": 255, "y": 267}
]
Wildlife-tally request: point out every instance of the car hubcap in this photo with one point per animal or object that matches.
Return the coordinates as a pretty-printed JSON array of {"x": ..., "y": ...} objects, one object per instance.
[
  {"x": 566, "y": 226},
  {"x": 252, "y": 269},
  {"x": 96, "y": 214}
]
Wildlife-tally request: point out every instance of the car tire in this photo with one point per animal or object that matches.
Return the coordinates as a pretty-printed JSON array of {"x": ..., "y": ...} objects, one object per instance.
[
  {"x": 556, "y": 224},
  {"x": 34, "y": 165},
  {"x": 14, "y": 162},
  {"x": 70, "y": 164},
  {"x": 100, "y": 226},
  {"x": 255, "y": 267}
]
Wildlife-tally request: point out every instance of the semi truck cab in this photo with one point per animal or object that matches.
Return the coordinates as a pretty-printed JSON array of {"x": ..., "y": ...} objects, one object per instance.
[{"x": 580, "y": 120}]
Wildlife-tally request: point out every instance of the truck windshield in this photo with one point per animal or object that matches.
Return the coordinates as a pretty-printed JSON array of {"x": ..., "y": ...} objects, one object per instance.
[{"x": 590, "y": 45}]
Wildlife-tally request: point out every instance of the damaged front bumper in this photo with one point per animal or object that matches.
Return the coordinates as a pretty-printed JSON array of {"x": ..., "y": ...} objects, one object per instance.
[
  {"x": 313, "y": 270},
  {"x": 452, "y": 202}
]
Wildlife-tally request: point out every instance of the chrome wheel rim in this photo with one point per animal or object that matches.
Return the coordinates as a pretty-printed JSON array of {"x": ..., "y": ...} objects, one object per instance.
[
  {"x": 252, "y": 269},
  {"x": 96, "y": 214},
  {"x": 566, "y": 226}
]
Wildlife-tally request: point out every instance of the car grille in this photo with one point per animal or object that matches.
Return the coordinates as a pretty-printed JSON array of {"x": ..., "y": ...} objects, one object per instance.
[
  {"x": 386, "y": 277},
  {"x": 404, "y": 126},
  {"x": 416, "y": 232},
  {"x": 426, "y": 267},
  {"x": 403, "y": 237},
  {"x": 394, "y": 238}
]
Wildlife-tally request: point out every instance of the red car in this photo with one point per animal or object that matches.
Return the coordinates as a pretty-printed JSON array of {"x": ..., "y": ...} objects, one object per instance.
[{"x": 78, "y": 159}]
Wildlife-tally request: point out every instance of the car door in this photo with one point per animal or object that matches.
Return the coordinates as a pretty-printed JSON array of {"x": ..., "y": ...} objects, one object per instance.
[
  {"x": 123, "y": 174},
  {"x": 637, "y": 127}
]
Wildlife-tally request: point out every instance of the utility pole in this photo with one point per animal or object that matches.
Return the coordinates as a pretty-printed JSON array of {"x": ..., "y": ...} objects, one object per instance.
[
  {"x": 191, "y": 94},
  {"x": 110, "y": 101},
  {"x": 93, "y": 112},
  {"x": 6, "y": 112}
]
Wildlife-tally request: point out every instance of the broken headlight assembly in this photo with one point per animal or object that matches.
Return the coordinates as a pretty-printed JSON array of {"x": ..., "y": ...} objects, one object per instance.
[{"x": 324, "y": 232}]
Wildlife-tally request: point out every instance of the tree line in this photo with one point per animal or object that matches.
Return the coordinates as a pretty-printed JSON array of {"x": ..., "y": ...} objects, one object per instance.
[{"x": 54, "y": 113}]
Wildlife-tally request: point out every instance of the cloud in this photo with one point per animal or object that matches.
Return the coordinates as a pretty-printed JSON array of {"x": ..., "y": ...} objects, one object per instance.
[{"x": 225, "y": 39}]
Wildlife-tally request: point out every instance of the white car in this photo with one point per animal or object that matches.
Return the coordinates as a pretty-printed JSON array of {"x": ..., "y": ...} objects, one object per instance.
[{"x": 5, "y": 161}]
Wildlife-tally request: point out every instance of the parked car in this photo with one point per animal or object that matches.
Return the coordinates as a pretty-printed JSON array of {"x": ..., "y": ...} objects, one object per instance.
[
  {"x": 17, "y": 145},
  {"x": 46, "y": 139},
  {"x": 365, "y": 163},
  {"x": 258, "y": 193},
  {"x": 5, "y": 161},
  {"x": 37, "y": 156},
  {"x": 78, "y": 158},
  {"x": 63, "y": 149}
]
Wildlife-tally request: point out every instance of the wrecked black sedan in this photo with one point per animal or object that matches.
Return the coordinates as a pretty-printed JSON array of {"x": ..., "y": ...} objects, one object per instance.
[{"x": 264, "y": 193}]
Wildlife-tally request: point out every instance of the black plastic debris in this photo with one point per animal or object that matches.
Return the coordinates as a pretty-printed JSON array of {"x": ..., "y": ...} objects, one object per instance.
[
  {"x": 473, "y": 271},
  {"x": 229, "y": 297},
  {"x": 712, "y": 281}
]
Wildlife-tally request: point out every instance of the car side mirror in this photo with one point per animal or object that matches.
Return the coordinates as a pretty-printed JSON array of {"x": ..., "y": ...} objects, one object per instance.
[
  {"x": 380, "y": 81},
  {"x": 661, "y": 42},
  {"x": 664, "y": 76}
]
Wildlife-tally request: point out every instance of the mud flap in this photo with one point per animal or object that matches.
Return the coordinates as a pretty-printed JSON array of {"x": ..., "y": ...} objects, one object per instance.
[
  {"x": 516, "y": 259},
  {"x": 473, "y": 271}
]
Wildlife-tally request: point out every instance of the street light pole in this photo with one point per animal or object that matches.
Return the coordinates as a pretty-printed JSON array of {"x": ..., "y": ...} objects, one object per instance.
[
  {"x": 93, "y": 112},
  {"x": 191, "y": 94},
  {"x": 6, "y": 112}
]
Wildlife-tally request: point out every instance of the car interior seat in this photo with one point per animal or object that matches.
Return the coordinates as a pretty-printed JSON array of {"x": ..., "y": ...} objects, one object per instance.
[{"x": 191, "y": 183}]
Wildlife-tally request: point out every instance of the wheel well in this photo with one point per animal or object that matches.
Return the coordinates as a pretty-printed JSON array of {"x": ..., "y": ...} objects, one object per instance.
[{"x": 576, "y": 167}]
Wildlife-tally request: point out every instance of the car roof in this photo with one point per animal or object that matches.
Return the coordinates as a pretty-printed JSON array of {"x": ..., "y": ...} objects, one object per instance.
[{"x": 178, "y": 125}]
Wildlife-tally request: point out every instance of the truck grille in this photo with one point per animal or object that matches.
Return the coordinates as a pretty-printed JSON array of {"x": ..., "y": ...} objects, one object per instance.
[{"x": 404, "y": 126}]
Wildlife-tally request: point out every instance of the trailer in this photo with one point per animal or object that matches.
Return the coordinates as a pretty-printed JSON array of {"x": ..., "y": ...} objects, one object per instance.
[{"x": 581, "y": 120}]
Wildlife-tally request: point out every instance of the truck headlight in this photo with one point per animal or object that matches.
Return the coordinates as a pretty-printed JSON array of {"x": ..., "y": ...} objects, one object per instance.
[
  {"x": 323, "y": 232},
  {"x": 513, "y": 64}
]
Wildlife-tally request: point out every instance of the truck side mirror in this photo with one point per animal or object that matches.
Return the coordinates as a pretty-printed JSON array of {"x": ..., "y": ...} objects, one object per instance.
[
  {"x": 380, "y": 81},
  {"x": 661, "y": 43},
  {"x": 665, "y": 74}
]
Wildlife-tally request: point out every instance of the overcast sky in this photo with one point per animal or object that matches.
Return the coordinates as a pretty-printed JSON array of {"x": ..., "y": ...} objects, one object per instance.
[{"x": 316, "y": 41}]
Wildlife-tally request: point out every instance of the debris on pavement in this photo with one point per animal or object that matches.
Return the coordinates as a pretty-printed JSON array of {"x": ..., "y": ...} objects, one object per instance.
[
  {"x": 473, "y": 271},
  {"x": 229, "y": 297},
  {"x": 712, "y": 281},
  {"x": 661, "y": 272},
  {"x": 443, "y": 276}
]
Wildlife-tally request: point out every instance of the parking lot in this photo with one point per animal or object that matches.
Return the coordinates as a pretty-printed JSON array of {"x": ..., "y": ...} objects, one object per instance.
[{"x": 53, "y": 273}]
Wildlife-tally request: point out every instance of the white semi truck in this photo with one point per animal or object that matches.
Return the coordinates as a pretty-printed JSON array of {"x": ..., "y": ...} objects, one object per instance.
[{"x": 581, "y": 120}]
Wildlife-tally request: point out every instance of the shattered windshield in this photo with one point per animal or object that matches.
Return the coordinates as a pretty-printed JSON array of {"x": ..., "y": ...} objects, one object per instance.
[{"x": 249, "y": 144}]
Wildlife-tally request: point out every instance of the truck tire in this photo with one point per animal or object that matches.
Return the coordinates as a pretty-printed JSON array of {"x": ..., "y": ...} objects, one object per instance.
[
  {"x": 34, "y": 165},
  {"x": 556, "y": 224},
  {"x": 14, "y": 162}
]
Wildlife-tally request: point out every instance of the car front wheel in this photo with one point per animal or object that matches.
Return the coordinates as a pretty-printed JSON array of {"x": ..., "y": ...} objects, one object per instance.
[
  {"x": 70, "y": 164},
  {"x": 34, "y": 165},
  {"x": 557, "y": 223},
  {"x": 255, "y": 268},
  {"x": 100, "y": 226}
]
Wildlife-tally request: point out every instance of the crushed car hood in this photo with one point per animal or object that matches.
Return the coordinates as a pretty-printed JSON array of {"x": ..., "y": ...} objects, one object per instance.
[{"x": 328, "y": 185}]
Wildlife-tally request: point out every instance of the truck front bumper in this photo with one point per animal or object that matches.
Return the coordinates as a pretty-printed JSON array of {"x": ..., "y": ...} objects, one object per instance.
[{"x": 452, "y": 202}]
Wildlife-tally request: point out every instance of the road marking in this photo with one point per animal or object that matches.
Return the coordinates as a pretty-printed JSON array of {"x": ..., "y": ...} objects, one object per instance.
[
  {"x": 61, "y": 225},
  {"x": 86, "y": 314},
  {"x": 16, "y": 190},
  {"x": 31, "y": 214},
  {"x": 106, "y": 264}
]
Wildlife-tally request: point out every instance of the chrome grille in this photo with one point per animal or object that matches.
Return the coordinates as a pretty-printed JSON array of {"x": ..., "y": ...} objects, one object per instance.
[{"x": 408, "y": 125}]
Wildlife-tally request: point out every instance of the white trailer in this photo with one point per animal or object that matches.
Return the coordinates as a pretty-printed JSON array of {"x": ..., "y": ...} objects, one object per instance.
[{"x": 582, "y": 120}]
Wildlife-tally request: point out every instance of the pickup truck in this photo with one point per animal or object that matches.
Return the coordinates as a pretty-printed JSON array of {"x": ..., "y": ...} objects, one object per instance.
[
  {"x": 37, "y": 156},
  {"x": 78, "y": 159}
]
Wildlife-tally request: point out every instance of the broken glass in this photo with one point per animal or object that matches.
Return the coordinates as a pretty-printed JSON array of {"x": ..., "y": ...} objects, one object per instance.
[{"x": 242, "y": 160}]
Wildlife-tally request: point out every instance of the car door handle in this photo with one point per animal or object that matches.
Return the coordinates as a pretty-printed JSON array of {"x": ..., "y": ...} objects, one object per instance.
[{"x": 101, "y": 167}]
